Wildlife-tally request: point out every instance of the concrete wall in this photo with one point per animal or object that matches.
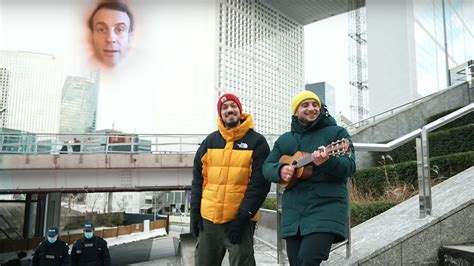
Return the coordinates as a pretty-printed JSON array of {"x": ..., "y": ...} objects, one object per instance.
[
  {"x": 410, "y": 119},
  {"x": 422, "y": 247},
  {"x": 267, "y": 226}
]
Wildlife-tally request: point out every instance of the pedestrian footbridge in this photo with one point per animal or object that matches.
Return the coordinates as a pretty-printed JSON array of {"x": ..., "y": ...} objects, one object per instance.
[
  {"x": 95, "y": 162},
  {"x": 94, "y": 172}
]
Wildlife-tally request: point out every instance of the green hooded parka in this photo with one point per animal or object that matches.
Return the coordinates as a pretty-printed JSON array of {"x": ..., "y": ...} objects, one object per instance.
[{"x": 319, "y": 203}]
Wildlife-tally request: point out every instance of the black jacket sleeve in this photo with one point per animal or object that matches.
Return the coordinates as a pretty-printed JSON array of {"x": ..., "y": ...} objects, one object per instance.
[
  {"x": 106, "y": 254},
  {"x": 66, "y": 257},
  {"x": 74, "y": 256},
  {"x": 258, "y": 186},
  {"x": 196, "y": 186},
  {"x": 35, "y": 260}
]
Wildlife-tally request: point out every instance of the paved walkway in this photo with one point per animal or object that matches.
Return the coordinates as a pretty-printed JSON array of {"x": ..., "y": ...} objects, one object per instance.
[
  {"x": 160, "y": 248},
  {"x": 264, "y": 255}
]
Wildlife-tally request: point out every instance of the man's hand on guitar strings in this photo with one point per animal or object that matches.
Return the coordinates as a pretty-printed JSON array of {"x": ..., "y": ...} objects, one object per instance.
[
  {"x": 287, "y": 172},
  {"x": 320, "y": 156}
]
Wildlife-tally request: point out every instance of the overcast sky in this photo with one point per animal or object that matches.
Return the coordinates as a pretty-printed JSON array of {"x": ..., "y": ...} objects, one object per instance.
[
  {"x": 326, "y": 53},
  {"x": 161, "y": 52}
]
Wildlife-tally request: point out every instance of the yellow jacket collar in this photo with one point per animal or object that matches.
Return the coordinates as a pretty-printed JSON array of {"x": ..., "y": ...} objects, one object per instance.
[{"x": 246, "y": 123}]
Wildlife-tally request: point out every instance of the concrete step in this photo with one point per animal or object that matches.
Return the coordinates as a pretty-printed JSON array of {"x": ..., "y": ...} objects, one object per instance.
[{"x": 457, "y": 255}]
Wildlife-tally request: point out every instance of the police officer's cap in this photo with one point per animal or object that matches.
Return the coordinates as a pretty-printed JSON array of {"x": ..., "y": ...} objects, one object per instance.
[
  {"x": 88, "y": 227},
  {"x": 53, "y": 231}
]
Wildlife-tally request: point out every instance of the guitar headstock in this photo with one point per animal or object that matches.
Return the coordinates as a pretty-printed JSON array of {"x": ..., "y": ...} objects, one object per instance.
[{"x": 339, "y": 147}]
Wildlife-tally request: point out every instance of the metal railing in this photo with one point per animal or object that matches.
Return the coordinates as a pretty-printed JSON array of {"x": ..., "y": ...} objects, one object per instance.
[
  {"x": 371, "y": 120},
  {"x": 93, "y": 143},
  {"x": 45, "y": 143},
  {"x": 422, "y": 154}
]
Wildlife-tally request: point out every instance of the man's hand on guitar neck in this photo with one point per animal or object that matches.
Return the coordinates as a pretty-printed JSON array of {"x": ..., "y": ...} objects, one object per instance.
[
  {"x": 287, "y": 172},
  {"x": 320, "y": 156}
]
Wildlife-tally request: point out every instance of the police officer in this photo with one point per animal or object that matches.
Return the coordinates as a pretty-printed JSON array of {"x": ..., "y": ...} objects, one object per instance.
[
  {"x": 52, "y": 251},
  {"x": 90, "y": 250}
]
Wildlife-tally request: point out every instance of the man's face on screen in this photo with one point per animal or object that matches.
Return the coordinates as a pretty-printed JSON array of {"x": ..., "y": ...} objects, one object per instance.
[{"x": 110, "y": 36}]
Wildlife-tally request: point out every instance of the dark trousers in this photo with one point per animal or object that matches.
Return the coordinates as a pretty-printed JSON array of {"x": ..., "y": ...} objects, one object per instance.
[
  {"x": 213, "y": 242},
  {"x": 309, "y": 249}
]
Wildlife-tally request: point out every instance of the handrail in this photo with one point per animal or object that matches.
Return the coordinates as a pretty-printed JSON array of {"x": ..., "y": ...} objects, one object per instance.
[
  {"x": 5, "y": 233},
  {"x": 390, "y": 112},
  {"x": 422, "y": 147},
  {"x": 415, "y": 133},
  {"x": 9, "y": 226},
  {"x": 50, "y": 143},
  {"x": 107, "y": 143}
]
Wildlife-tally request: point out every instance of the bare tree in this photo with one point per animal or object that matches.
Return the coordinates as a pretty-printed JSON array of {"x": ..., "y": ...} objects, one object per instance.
[
  {"x": 94, "y": 198},
  {"x": 122, "y": 203}
]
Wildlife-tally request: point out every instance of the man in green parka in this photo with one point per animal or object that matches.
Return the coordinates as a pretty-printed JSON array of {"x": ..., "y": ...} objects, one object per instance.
[{"x": 315, "y": 210}]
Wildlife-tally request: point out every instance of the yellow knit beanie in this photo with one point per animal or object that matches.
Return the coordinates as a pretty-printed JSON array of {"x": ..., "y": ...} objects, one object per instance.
[{"x": 300, "y": 97}]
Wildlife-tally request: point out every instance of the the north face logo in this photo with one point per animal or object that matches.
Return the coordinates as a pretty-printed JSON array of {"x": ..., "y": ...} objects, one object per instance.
[{"x": 243, "y": 145}]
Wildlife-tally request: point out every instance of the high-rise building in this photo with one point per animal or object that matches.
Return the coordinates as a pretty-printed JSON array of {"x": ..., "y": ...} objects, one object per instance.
[
  {"x": 9, "y": 141},
  {"x": 260, "y": 58},
  {"x": 412, "y": 45},
  {"x": 326, "y": 94},
  {"x": 79, "y": 105},
  {"x": 30, "y": 85},
  {"x": 4, "y": 87}
]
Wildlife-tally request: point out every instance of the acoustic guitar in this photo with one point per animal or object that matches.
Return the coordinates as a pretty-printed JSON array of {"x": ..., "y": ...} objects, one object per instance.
[{"x": 302, "y": 161}]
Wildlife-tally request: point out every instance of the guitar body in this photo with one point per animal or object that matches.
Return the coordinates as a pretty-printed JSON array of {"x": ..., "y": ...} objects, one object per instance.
[
  {"x": 303, "y": 161},
  {"x": 300, "y": 173}
]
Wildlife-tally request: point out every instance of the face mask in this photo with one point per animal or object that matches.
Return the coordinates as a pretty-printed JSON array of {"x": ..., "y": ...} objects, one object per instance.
[
  {"x": 88, "y": 235},
  {"x": 52, "y": 239}
]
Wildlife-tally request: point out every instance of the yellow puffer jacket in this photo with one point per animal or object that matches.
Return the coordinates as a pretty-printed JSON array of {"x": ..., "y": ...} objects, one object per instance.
[{"x": 225, "y": 165}]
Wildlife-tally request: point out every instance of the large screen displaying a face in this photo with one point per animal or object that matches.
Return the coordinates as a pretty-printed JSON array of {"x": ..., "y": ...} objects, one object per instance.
[{"x": 149, "y": 65}]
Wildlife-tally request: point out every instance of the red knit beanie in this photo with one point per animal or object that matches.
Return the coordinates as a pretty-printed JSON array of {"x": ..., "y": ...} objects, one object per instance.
[{"x": 228, "y": 97}]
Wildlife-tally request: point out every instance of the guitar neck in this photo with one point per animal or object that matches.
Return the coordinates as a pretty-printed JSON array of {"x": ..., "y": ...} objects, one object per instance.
[
  {"x": 303, "y": 161},
  {"x": 334, "y": 149}
]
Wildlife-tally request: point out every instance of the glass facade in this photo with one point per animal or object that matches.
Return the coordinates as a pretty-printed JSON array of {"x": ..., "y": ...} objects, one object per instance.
[
  {"x": 79, "y": 105},
  {"x": 4, "y": 88},
  {"x": 427, "y": 38},
  {"x": 31, "y": 91},
  {"x": 260, "y": 58},
  {"x": 430, "y": 45}
]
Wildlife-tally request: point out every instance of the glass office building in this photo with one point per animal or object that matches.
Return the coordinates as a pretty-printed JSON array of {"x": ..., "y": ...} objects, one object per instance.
[
  {"x": 429, "y": 26},
  {"x": 79, "y": 105},
  {"x": 260, "y": 58},
  {"x": 412, "y": 44},
  {"x": 30, "y": 91}
]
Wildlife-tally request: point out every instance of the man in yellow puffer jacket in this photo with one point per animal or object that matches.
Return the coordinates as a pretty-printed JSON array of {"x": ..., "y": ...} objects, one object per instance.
[{"x": 228, "y": 187}]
